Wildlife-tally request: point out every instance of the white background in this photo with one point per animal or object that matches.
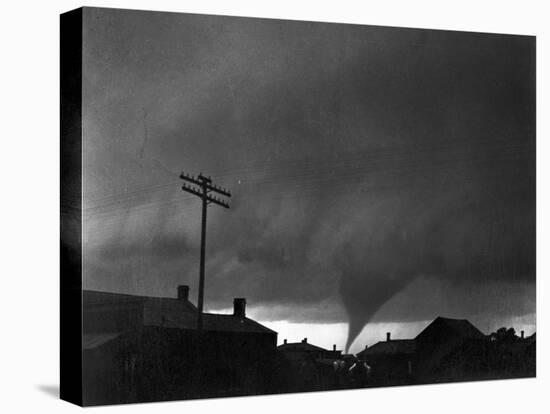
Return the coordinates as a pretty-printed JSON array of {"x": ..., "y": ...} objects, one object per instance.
[{"x": 29, "y": 235}]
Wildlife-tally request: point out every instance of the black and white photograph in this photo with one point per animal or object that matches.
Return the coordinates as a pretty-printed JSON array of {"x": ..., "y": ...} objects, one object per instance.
[{"x": 273, "y": 206}]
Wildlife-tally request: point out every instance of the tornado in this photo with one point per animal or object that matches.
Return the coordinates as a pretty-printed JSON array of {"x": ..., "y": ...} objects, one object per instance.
[
  {"x": 363, "y": 294},
  {"x": 448, "y": 238}
]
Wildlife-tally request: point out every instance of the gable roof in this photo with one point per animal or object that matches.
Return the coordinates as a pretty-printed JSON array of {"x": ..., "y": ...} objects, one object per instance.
[
  {"x": 221, "y": 322},
  {"x": 460, "y": 327},
  {"x": 210, "y": 322},
  {"x": 91, "y": 298},
  {"x": 391, "y": 347},
  {"x": 170, "y": 312},
  {"x": 301, "y": 347}
]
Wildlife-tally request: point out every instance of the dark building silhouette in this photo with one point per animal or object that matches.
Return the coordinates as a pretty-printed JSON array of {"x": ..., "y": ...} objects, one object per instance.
[
  {"x": 511, "y": 356},
  {"x": 451, "y": 350},
  {"x": 302, "y": 366},
  {"x": 138, "y": 348},
  {"x": 390, "y": 360}
]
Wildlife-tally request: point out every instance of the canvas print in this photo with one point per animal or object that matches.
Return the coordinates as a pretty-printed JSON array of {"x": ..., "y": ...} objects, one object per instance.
[{"x": 258, "y": 206}]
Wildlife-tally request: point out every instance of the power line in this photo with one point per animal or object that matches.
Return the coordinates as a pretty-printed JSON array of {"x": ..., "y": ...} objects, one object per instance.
[{"x": 362, "y": 162}]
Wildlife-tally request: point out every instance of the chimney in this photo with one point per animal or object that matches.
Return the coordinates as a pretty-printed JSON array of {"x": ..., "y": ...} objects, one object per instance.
[
  {"x": 522, "y": 334},
  {"x": 239, "y": 307},
  {"x": 183, "y": 292},
  {"x": 284, "y": 342},
  {"x": 388, "y": 336},
  {"x": 304, "y": 341},
  {"x": 334, "y": 347}
]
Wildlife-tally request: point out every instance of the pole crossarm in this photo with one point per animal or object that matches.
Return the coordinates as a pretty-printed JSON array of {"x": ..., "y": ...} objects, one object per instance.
[
  {"x": 209, "y": 199},
  {"x": 191, "y": 190},
  {"x": 201, "y": 180}
]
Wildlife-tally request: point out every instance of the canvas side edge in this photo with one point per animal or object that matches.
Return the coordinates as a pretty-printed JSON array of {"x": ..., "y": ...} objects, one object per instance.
[{"x": 71, "y": 207}]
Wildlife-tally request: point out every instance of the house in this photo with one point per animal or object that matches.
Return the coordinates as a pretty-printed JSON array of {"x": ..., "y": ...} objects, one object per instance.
[
  {"x": 450, "y": 349},
  {"x": 302, "y": 366},
  {"x": 390, "y": 360},
  {"x": 138, "y": 348}
]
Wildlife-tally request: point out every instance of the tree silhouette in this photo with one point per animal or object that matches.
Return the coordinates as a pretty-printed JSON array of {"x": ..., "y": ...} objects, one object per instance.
[{"x": 504, "y": 335}]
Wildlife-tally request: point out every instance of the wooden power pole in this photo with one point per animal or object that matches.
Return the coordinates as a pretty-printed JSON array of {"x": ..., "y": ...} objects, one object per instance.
[{"x": 202, "y": 187}]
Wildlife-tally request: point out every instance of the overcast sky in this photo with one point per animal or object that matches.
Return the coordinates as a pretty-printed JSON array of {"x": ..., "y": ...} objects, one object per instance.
[{"x": 379, "y": 175}]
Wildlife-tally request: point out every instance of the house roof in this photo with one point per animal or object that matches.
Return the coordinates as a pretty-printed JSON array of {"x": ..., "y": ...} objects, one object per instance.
[
  {"x": 301, "y": 347},
  {"x": 92, "y": 298},
  {"x": 460, "y": 327},
  {"x": 211, "y": 322},
  {"x": 220, "y": 322},
  {"x": 392, "y": 347},
  {"x": 172, "y": 312}
]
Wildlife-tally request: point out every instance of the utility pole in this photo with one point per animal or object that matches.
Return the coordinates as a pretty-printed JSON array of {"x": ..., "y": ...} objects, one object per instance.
[{"x": 205, "y": 187}]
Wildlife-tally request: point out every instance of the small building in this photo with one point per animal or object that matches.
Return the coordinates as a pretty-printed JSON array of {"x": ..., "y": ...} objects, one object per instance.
[
  {"x": 391, "y": 360},
  {"x": 138, "y": 348},
  {"x": 450, "y": 349},
  {"x": 302, "y": 366}
]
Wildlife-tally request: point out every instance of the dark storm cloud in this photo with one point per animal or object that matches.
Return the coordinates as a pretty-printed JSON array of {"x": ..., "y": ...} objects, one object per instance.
[
  {"x": 165, "y": 247},
  {"x": 360, "y": 158}
]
